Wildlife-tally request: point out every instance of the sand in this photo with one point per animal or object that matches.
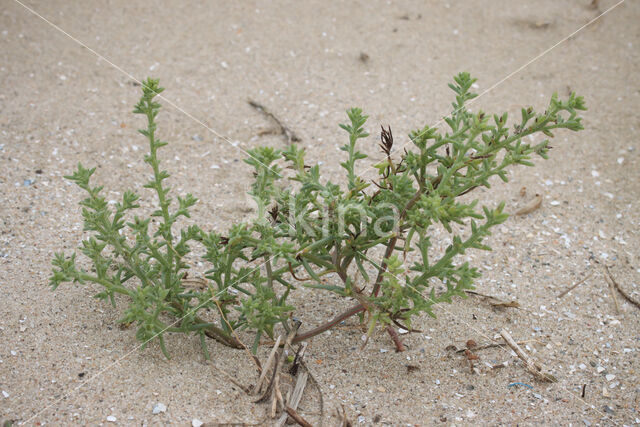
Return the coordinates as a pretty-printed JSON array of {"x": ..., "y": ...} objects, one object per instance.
[{"x": 63, "y": 358}]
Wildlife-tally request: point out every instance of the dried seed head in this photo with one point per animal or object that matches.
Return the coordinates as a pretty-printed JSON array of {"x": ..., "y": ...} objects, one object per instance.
[{"x": 386, "y": 137}]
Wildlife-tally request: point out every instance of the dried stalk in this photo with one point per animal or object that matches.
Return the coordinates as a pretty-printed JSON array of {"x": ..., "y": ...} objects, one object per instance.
[{"x": 532, "y": 366}]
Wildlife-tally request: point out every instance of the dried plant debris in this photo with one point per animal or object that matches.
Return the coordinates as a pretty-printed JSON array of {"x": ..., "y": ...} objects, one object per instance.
[
  {"x": 531, "y": 365},
  {"x": 531, "y": 206},
  {"x": 495, "y": 302},
  {"x": 616, "y": 285},
  {"x": 281, "y": 129}
]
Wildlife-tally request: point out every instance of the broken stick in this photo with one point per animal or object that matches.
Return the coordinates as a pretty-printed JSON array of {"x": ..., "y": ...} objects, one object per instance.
[
  {"x": 282, "y": 129},
  {"x": 495, "y": 302},
  {"x": 532, "y": 366},
  {"x": 267, "y": 365},
  {"x": 623, "y": 293},
  {"x": 297, "y": 418},
  {"x": 607, "y": 278},
  {"x": 575, "y": 286}
]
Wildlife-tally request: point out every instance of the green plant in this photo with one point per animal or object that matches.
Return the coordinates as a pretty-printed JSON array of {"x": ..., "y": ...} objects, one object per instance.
[{"x": 312, "y": 233}]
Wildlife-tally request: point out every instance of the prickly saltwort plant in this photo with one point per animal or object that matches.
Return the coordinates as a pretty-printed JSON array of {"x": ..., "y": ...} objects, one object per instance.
[{"x": 311, "y": 233}]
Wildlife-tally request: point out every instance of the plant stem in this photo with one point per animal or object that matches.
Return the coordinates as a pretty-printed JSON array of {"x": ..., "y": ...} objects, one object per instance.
[{"x": 330, "y": 324}]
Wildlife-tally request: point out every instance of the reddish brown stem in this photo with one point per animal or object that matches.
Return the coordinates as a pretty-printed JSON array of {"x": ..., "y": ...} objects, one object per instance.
[
  {"x": 396, "y": 339},
  {"x": 376, "y": 287},
  {"x": 330, "y": 324}
]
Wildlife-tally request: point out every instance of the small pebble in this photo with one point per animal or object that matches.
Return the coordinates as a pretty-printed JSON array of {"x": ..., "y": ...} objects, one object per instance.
[
  {"x": 5, "y": 394},
  {"x": 112, "y": 419},
  {"x": 158, "y": 408},
  {"x": 607, "y": 409},
  {"x": 196, "y": 422},
  {"x": 28, "y": 182},
  {"x": 196, "y": 138},
  {"x": 610, "y": 377}
]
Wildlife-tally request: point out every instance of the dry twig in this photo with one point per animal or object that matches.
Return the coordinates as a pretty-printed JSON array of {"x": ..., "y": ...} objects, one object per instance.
[
  {"x": 229, "y": 377},
  {"x": 282, "y": 129},
  {"x": 495, "y": 302},
  {"x": 623, "y": 293},
  {"x": 495, "y": 344},
  {"x": 267, "y": 365},
  {"x": 575, "y": 286},
  {"x": 296, "y": 417},
  {"x": 344, "y": 421},
  {"x": 532, "y": 366},
  {"x": 294, "y": 401}
]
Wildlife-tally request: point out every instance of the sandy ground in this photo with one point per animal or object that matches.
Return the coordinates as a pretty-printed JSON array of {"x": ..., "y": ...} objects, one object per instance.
[{"x": 60, "y": 104}]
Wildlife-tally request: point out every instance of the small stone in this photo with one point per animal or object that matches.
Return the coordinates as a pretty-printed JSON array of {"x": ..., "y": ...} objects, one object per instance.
[
  {"x": 215, "y": 167},
  {"x": 610, "y": 377},
  {"x": 197, "y": 138},
  {"x": 600, "y": 369},
  {"x": 582, "y": 366},
  {"x": 28, "y": 182},
  {"x": 196, "y": 422},
  {"x": 587, "y": 423},
  {"x": 5, "y": 394},
  {"x": 158, "y": 408},
  {"x": 537, "y": 395},
  {"x": 607, "y": 409},
  {"x": 112, "y": 419},
  {"x": 361, "y": 419}
]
